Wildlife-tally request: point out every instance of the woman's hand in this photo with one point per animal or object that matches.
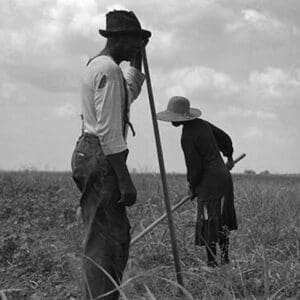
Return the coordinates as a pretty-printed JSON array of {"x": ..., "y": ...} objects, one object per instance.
[
  {"x": 230, "y": 163},
  {"x": 191, "y": 193}
]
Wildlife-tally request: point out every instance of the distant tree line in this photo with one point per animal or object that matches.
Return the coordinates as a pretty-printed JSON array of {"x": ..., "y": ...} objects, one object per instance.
[{"x": 251, "y": 172}]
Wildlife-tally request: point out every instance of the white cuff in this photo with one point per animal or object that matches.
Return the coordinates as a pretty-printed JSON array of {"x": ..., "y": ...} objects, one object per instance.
[{"x": 133, "y": 74}]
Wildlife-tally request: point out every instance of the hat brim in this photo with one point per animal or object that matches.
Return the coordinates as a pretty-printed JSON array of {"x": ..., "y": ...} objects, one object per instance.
[
  {"x": 107, "y": 33},
  {"x": 169, "y": 116}
]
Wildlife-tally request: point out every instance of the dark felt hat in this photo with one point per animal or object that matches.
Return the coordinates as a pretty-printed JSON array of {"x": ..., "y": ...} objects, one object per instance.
[{"x": 122, "y": 21}]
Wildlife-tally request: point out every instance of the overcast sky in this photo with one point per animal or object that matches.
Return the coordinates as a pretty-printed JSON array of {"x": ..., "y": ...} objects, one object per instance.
[{"x": 236, "y": 60}]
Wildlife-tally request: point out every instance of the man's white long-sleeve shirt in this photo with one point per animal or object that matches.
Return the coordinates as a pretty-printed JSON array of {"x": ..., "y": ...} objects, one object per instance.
[{"x": 103, "y": 101}]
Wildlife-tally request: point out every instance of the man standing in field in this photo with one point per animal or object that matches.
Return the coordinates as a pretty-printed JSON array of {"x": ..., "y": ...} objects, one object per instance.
[
  {"x": 208, "y": 176},
  {"x": 99, "y": 159}
]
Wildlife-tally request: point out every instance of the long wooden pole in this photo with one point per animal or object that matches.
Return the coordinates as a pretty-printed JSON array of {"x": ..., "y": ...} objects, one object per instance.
[
  {"x": 159, "y": 220},
  {"x": 162, "y": 170},
  {"x": 176, "y": 206}
]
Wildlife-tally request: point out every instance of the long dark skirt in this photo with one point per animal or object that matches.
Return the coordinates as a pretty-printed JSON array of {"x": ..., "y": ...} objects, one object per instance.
[{"x": 214, "y": 216}]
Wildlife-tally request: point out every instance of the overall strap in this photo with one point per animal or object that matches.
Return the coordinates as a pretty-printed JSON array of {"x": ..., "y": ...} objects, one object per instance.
[
  {"x": 126, "y": 111},
  {"x": 82, "y": 124}
]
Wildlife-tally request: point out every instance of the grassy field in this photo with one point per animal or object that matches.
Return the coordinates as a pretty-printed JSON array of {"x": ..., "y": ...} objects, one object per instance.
[{"x": 40, "y": 240}]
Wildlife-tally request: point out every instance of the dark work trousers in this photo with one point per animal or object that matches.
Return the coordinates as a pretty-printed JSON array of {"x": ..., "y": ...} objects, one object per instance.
[{"x": 105, "y": 222}]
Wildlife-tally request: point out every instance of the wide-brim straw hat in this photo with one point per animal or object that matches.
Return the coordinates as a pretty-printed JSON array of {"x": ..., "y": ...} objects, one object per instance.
[
  {"x": 178, "y": 110},
  {"x": 123, "y": 21}
]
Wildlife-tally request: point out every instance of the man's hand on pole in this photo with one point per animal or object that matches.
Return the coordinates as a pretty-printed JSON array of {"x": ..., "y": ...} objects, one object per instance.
[
  {"x": 145, "y": 42},
  {"x": 136, "y": 59},
  {"x": 126, "y": 187}
]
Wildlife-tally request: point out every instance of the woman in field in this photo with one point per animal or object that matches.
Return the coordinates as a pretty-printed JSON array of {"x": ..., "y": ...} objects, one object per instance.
[{"x": 208, "y": 176}]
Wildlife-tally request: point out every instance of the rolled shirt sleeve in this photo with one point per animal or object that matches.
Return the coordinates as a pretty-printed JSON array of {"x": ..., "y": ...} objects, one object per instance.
[
  {"x": 134, "y": 79},
  {"x": 109, "y": 102},
  {"x": 108, "y": 107}
]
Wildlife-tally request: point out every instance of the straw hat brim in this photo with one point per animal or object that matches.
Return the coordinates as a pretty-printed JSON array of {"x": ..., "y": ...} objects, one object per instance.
[
  {"x": 107, "y": 33},
  {"x": 169, "y": 116}
]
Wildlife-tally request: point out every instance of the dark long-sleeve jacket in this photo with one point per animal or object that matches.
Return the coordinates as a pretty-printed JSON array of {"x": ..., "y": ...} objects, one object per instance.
[{"x": 206, "y": 171}]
